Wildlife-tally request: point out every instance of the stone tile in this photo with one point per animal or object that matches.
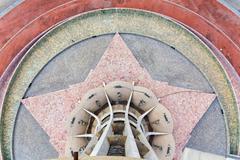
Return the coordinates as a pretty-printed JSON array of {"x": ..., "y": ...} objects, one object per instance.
[
  {"x": 165, "y": 63},
  {"x": 30, "y": 140},
  {"x": 70, "y": 66},
  {"x": 209, "y": 135}
]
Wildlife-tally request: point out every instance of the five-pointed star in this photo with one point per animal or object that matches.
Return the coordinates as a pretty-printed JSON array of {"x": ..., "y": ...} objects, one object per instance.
[{"x": 118, "y": 63}]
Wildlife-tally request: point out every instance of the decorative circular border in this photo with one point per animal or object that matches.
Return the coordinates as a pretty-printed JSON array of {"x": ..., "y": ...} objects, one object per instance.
[
  {"x": 211, "y": 25},
  {"x": 110, "y": 21}
]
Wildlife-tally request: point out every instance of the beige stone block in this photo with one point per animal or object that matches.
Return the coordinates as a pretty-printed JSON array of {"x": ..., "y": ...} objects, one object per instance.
[
  {"x": 164, "y": 146},
  {"x": 94, "y": 99},
  {"x": 161, "y": 119},
  {"x": 143, "y": 98},
  {"x": 119, "y": 90}
]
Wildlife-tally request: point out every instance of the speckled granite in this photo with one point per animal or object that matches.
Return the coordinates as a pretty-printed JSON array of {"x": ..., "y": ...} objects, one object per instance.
[
  {"x": 118, "y": 63},
  {"x": 109, "y": 21}
]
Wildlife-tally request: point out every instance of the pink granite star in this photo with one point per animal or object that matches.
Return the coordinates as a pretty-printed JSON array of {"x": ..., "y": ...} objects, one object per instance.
[{"x": 118, "y": 63}]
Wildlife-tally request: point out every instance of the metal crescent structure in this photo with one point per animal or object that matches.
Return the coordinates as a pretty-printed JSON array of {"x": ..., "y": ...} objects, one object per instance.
[{"x": 119, "y": 129}]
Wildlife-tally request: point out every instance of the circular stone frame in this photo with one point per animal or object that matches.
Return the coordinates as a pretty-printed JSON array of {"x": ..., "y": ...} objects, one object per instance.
[{"x": 100, "y": 22}]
